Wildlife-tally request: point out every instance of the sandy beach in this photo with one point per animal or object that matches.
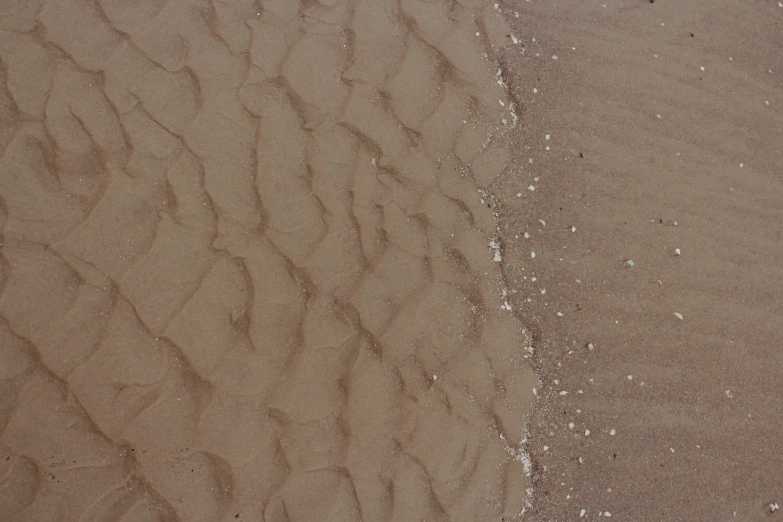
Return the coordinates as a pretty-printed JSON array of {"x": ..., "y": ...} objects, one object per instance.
[
  {"x": 655, "y": 142},
  {"x": 391, "y": 260},
  {"x": 250, "y": 266}
]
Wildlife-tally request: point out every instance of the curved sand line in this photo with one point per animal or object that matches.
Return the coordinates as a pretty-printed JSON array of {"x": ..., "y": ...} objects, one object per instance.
[{"x": 245, "y": 266}]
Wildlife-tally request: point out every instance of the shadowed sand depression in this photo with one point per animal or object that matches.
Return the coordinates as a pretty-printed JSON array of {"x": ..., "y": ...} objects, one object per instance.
[{"x": 245, "y": 266}]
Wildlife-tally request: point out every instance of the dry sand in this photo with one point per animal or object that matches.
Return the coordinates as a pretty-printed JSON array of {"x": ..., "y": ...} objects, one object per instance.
[
  {"x": 650, "y": 154},
  {"x": 265, "y": 260},
  {"x": 246, "y": 270}
]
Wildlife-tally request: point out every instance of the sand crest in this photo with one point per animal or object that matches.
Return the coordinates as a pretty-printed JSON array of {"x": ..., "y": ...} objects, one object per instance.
[{"x": 246, "y": 270}]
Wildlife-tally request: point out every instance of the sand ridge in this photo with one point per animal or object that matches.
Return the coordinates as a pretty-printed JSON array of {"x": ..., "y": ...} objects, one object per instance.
[{"x": 245, "y": 265}]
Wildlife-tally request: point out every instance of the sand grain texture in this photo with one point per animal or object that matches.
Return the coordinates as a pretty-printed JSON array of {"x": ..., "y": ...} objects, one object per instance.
[
  {"x": 660, "y": 138},
  {"x": 245, "y": 266}
]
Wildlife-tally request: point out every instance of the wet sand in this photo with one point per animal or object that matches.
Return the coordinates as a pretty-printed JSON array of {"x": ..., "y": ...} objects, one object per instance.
[
  {"x": 268, "y": 260},
  {"x": 248, "y": 269},
  {"x": 664, "y": 124}
]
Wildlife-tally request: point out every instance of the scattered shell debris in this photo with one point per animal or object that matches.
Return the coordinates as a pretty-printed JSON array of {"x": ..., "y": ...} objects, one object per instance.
[{"x": 494, "y": 245}]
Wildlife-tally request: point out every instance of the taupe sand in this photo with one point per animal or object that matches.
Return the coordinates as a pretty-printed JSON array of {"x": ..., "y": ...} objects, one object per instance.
[
  {"x": 662, "y": 382},
  {"x": 246, "y": 263},
  {"x": 398, "y": 260}
]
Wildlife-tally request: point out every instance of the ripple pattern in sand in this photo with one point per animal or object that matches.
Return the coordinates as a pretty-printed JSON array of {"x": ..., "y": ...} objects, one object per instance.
[{"x": 244, "y": 263}]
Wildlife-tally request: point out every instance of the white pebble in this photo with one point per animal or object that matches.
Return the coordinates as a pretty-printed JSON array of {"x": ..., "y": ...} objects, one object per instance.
[
  {"x": 587, "y": 433},
  {"x": 527, "y": 236},
  {"x": 519, "y": 194},
  {"x": 676, "y": 251},
  {"x": 554, "y": 57},
  {"x": 701, "y": 68},
  {"x": 531, "y": 188},
  {"x": 532, "y": 255},
  {"x": 564, "y": 392},
  {"x": 573, "y": 229},
  {"x": 612, "y": 432},
  {"x": 629, "y": 263},
  {"x": 570, "y": 425},
  {"x": 560, "y": 314},
  {"x": 679, "y": 315},
  {"x": 630, "y": 377},
  {"x": 582, "y": 513},
  {"x": 548, "y": 137},
  {"x": 742, "y": 165}
]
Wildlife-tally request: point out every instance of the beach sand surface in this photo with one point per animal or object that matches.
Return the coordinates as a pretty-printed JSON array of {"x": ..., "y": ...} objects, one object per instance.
[
  {"x": 665, "y": 125},
  {"x": 246, "y": 270}
]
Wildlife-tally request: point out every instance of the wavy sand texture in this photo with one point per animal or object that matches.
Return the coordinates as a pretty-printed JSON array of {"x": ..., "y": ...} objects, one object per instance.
[{"x": 245, "y": 271}]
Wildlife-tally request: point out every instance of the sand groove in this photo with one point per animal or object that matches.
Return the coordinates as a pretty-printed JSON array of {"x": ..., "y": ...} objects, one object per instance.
[{"x": 244, "y": 263}]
